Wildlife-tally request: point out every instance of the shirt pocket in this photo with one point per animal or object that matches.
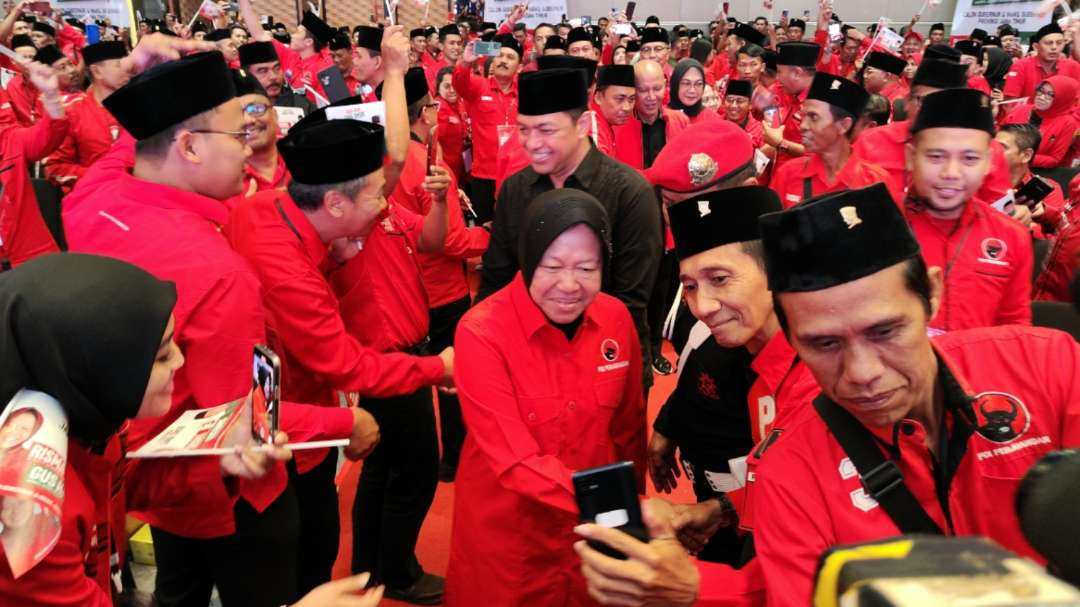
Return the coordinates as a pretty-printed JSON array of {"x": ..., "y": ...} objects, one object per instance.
[
  {"x": 609, "y": 390},
  {"x": 545, "y": 420}
]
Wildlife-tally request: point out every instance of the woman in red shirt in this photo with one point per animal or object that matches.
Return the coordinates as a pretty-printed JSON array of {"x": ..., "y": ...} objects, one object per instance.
[
  {"x": 1052, "y": 110},
  {"x": 687, "y": 89},
  {"x": 553, "y": 385},
  {"x": 96, "y": 334},
  {"x": 453, "y": 129}
]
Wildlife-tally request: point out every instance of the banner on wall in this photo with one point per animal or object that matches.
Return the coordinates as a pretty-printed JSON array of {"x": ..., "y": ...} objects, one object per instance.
[
  {"x": 540, "y": 11},
  {"x": 989, "y": 14},
  {"x": 116, "y": 11}
]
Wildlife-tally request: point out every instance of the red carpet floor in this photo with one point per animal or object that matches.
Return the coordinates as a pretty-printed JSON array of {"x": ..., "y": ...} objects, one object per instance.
[{"x": 433, "y": 549}]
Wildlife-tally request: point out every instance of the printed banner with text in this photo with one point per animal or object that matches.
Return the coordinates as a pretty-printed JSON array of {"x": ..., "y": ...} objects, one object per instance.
[
  {"x": 540, "y": 11},
  {"x": 989, "y": 14}
]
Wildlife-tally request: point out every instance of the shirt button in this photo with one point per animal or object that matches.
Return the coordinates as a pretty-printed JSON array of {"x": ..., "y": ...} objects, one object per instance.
[
  {"x": 571, "y": 405},
  {"x": 532, "y": 417}
]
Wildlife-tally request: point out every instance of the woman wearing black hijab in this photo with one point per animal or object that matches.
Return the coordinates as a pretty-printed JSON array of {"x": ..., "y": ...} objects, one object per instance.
[
  {"x": 94, "y": 333},
  {"x": 553, "y": 385},
  {"x": 687, "y": 90}
]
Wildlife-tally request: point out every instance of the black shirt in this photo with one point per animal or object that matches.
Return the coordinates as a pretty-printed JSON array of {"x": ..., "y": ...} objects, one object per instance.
[
  {"x": 653, "y": 139},
  {"x": 632, "y": 209}
]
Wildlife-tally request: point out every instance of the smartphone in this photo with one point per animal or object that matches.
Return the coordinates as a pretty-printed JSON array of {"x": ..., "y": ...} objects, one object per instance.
[
  {"x": 487, "y": 49},
  {"x": 835, "y": 35},
  {"x": 586, "y": 20},
  {"x": 265, "y": 394},
  {"x": 41, "y": 8},
  {"x": 806, "y": 14},
  {"x": 623, "y": 29},
  {"x": 93, "y": 33},
  {"x": 607, "y": 496},
  {"x": 727, "y": 8},
  {"x": 630, "y": 6},
  {"x": 433, "y": 145},
  {"x": 1034, "y": 191},
  {"x": 334, "y": 84}
]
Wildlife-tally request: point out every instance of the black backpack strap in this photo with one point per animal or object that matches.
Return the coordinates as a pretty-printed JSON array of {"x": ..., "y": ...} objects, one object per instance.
[{"x": 880, "y": 477}]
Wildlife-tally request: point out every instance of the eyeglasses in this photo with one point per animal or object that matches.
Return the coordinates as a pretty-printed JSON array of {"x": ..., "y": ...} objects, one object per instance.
[
  {"x": 256, "y": 109},
  {"x": 1044, "y": 93},
  {"x": 240, "y": 136},
  {"x": 434, "y": 105},
  {"x": 700, "y": 84}
]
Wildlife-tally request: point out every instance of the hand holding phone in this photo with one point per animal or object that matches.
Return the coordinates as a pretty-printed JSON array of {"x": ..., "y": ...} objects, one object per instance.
[
  {"x": 1034, "y": 191},
  {"x": 487, "y": 49},
  {"x": 607, "y": 496}
]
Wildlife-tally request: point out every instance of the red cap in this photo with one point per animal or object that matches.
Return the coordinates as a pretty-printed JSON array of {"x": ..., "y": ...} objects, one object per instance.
[{"x": 700, "y": 156}]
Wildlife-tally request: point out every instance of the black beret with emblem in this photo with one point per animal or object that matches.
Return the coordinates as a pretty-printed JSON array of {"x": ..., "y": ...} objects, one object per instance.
[
  {"x": 740, "y": 88},
  {"x": 749, "y": 34},
  {"x": 654, "y": 34},
  {"x": 246, "y": 84},
  {"x": 839, "y": 92},
  {"x": 722, "y": 217},
  {"x": 317, "y": 28},
  {"x": 972, "y": 48},
  {"x": 812, "y": 246},
  {"x": 588, "y": 66},
  {"x": 48, "y": 55},
  {"x": 368, "y": 37},
  {"x": 551, "y": 91},
  {"x": 332, "y": 151},
  {"x": 415, "y": 85},
  {"x": 802, "y": 54},
  {"x": 340, "y": 42},
  {"x": 103, "y": 51},
  {"x": 170, "y": 93},
  {"x": 941, "y": 74},
  {"x": 615, "y": 75},
  {"x": 957, "y": 109},
  {"x": 257, "y": 52},
  {"x": 886, "y": 62}
]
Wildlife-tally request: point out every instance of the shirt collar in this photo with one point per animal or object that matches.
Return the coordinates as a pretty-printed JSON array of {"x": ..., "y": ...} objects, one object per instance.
[
  {"x": 313, "y": 244},
  {"x": 279, "y": 172},
  {"x": 774, "y": 361},
  {"x": 583, "y": 175},
  {"x": 168, "y": 197}
]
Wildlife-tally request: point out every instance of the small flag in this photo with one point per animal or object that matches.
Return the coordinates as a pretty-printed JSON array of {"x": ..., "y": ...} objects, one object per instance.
[{"x": 210, "y": 10}]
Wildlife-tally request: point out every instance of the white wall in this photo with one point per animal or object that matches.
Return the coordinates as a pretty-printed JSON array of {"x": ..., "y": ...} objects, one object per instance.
[{"x": 698, "y": 12}]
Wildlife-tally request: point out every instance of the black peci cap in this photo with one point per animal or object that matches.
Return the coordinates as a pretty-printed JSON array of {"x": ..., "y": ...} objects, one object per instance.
[
  {"x": 551, "y": 91},
  {"x": 332, "y": 151},
  {"x": 721, "y": 217}
]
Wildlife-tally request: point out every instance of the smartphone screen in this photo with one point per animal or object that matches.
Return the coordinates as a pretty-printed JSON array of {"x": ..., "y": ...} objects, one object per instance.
[
  {"x": 265, "y": 394},
  {"x": 487, "y": 49},
  {"x": 630, "y": 6},
  {"x": 727, "y": 8},
  {"x": 41, "y": 8},
  {"x": 607, "y": 496}
]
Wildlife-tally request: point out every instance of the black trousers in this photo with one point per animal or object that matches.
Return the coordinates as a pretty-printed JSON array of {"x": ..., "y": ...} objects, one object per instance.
[
  {"x": 444, "y": 320},
  {"x": 397, "y": 486},
  {"x": 663, "y": 293},
  {"x": 320, "y": 524},
  {"x": 254, "y": 567},
  {"x": 482, "y": 195}
]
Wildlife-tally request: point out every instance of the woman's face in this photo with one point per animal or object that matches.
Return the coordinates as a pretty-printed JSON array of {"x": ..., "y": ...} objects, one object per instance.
[
  {"x": 16, "y": 511},
  {"x": 446, "y": 89},
  {"x": 159, "y": 389},
  {"x": 710, "y": 98},
  {"x": 1044, "y": 96},
  {"x": 17, "y": 429},
  {"x": 691, "y": 87},
  {"x": 568, "y": 276},
  {"x": 619, "y": 56}
]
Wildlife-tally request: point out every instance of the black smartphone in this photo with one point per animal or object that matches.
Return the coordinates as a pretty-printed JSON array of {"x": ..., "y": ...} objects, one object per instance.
[
  {"x": 334, "y": 84},
  {"x": 630, "y": 6},
  {"x": 607, "y": 496},
  {"x": 1034, "y": 190},
  {"x": 265, "y": 394}
]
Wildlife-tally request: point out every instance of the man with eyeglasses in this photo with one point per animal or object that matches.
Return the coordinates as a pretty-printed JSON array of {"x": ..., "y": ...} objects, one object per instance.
[
  {"x": 92, "y": 130},
  {"x": 265, "y": 169},
  {"x": 1049, "y": 44},
  {"x": 656, "y": 46},
  {"x": 305, "y": 55},
  {"x": 886, "y": 144},
  {"x": 163, "y": 211}
]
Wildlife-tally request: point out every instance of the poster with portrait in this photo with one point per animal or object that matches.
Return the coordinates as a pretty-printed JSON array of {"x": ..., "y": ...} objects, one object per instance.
[{"x": 33, "y": 456}]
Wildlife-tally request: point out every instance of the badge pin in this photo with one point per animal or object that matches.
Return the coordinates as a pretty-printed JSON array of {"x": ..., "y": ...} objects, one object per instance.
[
  {"x": 850, "y": 215},
  {"x": 835, "y": 85},
  {"x": 702, "y": 168},
  {"x": 703, "y": 207}
]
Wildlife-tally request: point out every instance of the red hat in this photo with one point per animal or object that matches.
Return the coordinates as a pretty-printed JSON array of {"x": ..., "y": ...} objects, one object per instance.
[{"x": 700, "y": 156}]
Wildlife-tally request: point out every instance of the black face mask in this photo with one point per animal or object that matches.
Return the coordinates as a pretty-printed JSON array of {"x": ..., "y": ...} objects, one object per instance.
[{"x": 85, "y": 330}]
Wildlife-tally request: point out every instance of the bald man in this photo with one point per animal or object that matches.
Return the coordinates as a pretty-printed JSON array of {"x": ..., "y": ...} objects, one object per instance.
[{"x": 638, "y": 142}]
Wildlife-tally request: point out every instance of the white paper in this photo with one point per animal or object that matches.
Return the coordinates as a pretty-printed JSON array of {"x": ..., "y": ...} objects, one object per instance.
[{"x": 374, "y": 112}]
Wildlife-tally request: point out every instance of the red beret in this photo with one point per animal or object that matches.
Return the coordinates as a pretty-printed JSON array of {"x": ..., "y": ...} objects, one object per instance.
[{"x": 700, "y": 156}]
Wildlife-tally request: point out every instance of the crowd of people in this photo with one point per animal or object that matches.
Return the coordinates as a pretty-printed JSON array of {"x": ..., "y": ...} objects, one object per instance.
[{"x": 843, "y": 239}]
